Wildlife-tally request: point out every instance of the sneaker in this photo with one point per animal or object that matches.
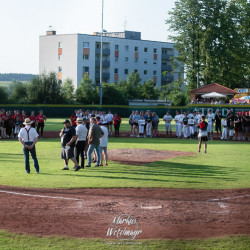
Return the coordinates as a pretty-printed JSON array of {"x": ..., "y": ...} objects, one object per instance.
[
  {"x": 27, "y": 172},
  {"x": 37, "y": 172},
  {"x": 77, "y": 168},
  {"x": 74, "y": 167},
  {"x": 65, "y": 168},
  {"x": 82, "y": 167},
  {"x": 97, "y": 165},
  {"x": 87, "y": 166},
  {"x": 205, "y": 151}
]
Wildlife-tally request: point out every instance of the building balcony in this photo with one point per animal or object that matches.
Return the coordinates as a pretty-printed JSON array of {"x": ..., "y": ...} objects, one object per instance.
[
  {"x": 166, "y": 56},
  {"x": 167, "y": 78},
  {"x": 105, "y": 76},
  {"x": 105, "y": 63},
  {"x": 105, "y": 52},
  {"x": 166, "y": 68}
]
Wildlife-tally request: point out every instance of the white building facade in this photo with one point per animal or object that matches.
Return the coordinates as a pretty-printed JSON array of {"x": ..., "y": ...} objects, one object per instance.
[{"x": 74, "y": 55}]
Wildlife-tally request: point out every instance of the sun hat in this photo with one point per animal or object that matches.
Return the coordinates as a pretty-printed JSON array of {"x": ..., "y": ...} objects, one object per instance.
[
  {"x": 27, "y": 121},
  {"x": 79, "y": 120}
]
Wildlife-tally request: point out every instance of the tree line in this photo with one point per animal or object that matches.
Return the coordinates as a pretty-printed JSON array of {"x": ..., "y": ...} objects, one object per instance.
[
  {"x": 46, "y": 89},
  {"x": 212, "y": 38},
  {"x": 16, "y": 77}
]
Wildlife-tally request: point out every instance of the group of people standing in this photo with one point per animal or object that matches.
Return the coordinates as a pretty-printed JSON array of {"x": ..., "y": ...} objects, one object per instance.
[
  {"x": 11, "y": 122},
  {"x": 85, "y": 137},
  {"x": 106, "y": 119},
  {"x": 144, "y": 124}
]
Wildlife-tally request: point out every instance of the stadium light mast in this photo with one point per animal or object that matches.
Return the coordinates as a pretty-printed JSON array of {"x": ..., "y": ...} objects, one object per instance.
[{"x": 101, "y": 55}]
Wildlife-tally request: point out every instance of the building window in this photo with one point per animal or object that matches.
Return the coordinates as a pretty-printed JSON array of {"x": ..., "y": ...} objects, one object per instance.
[
  {"x": 136, "y": 60},
  {"x": 125, "y": 71},
  {"x": 145, "y": 61},
  {"x": 60, "y": 57},
  {"x": 116, "y": 71},
  {"x": 145, "y": 49},
  {"x": 116, "y": 47},
  {"x": 60, "y": 69},
  {"x": 116, "y": 59},
  {"x": 136, "y": 70},
  {"x": 126, "y": 48},
  {"x": 155, "y": 50},
  {"x": 85, "y": 57},
  {"x": 136, "y": 49},
  {"x": 155, "y": 63},
  {"x": 85, "y": 69},
  {"x": 60, "y": 45},
  {"x": 85, "y": 45},
  {"x": 145, "y": 72},
  {"x": 60, "y": 81},
  {"x": 155, "y": 73},
  {"x": 126, "y": 59}
]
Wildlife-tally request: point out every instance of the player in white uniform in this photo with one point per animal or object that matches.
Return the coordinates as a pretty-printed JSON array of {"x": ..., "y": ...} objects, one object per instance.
[
  {"x": 109, "y": 119},
  {"x": 181, "y": 123},
  {"x": 177, "y": 124},
  {"x": 189, "y": 115},
  {"x": 191, "y": 124},
  {"x": 141, "y": 124},
  {"x": 210, "y": 121},
  {"x": 167, "y": 119},
  {"x": 224, "y": 129}
]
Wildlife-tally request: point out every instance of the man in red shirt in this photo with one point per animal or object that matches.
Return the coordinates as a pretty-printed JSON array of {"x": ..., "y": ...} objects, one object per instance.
[
  {"x": 40, "y": 122},
  {"x": 117, "y": 121}
]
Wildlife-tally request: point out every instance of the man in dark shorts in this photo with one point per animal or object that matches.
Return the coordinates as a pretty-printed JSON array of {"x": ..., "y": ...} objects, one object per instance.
[
  {"x": 218, "y": 123},
  {"x": 68, "y": 138},
  {"x": 202, "y": 136}
]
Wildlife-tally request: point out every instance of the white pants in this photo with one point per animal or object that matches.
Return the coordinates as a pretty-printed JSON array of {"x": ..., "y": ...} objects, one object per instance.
[
  {"x": 188, "y": 131},
  {"x": 149, "y": 129},
  {"x": 168, "y": 126},
  {"x": 17, "y": 130},
  {"x": 185, "y": 131},
  {"x": 224, "y": 133},
  {"x": 210, "y": 127},
  {"x": 231, "y": 132},
  {"x": 177, "y": 128},
  {"x": 191, "y": 130},
  {"x": 141, "y": 129}
]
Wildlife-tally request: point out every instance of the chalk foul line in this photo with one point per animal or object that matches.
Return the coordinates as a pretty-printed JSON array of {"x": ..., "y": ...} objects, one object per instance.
[
  {"x": 40, "y": 196},
  {"x": 230, "y": 198}
]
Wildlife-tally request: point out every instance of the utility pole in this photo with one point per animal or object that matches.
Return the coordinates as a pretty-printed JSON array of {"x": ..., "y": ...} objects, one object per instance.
[{"x": 101, "y": 55}]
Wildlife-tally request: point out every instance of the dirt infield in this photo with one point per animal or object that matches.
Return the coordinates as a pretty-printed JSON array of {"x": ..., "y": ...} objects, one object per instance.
[
  {"x": 160, "y": 213},
  {"x": 137, "y": 156}
]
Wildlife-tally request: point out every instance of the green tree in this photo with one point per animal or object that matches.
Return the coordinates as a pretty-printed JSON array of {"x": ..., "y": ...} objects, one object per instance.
[
  {"x": 131, "y": 87},
  {"x": 45, "y": 89},
  {"x": 112, "y": 95},
  {"x": 3, "y": 95},
  {"x": 212, "y": 38},
  {"x": 18, "y": 93},
  {"x": 87, "y": 93},
  {"x": 67, "y": 91},
  {"x": 149, "y": 91}
]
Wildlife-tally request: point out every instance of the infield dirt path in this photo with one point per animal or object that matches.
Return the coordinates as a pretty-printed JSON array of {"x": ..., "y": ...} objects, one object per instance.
[{"x": 160, "y": 213}]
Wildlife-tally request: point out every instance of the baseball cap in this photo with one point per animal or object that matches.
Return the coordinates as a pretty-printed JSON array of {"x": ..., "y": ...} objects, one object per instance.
[{"x": 66, "y": 121}]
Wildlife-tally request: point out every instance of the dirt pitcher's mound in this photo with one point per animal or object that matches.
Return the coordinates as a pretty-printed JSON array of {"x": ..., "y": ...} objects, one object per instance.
[{"x": 137, "y": 156}]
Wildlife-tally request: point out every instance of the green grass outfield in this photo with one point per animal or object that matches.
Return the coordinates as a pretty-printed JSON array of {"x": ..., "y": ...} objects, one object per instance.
[
  {"x": 55, "y": 124},
  {"x": 226, "y": 165},
  {"x": 23, "y": 242}
]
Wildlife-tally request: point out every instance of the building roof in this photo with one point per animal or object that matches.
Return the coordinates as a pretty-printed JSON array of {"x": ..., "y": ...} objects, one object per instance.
[{"x": 214, "y": 87}]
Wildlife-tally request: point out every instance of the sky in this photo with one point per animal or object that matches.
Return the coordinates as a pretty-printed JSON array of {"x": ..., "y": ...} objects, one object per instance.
[{"x": 23, "y": 21}]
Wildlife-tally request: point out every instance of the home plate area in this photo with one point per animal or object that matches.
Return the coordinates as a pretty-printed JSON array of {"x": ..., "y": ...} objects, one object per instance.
[{"x": 159, "y": 213}]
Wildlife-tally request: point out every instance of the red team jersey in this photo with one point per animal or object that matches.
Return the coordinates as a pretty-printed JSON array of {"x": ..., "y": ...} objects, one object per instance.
[
  {"x": 73, "y": 120},
  {"x": 40, "y": 118},
  {"x": 33, "y": 118}
]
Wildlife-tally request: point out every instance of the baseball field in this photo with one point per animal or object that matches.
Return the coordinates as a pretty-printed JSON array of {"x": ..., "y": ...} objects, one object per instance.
[{"x": 181, "y": 199}]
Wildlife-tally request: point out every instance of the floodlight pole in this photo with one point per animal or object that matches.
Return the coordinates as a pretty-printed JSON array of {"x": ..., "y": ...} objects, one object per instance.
[{"x": 101, "y": 54}]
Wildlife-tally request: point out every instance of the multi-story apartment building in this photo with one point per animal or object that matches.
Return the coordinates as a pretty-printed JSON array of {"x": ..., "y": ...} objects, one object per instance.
[{"x": 74, "y": 55}]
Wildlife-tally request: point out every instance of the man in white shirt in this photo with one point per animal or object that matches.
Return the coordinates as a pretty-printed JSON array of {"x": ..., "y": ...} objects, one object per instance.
[
  {"x": 167, "y": 119},
  {"x": 28, "y": 137},
  {"x": 104, "y": 145},
  {"x": 81, "y": 134},
  {"x": 109, "y": 119}
]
